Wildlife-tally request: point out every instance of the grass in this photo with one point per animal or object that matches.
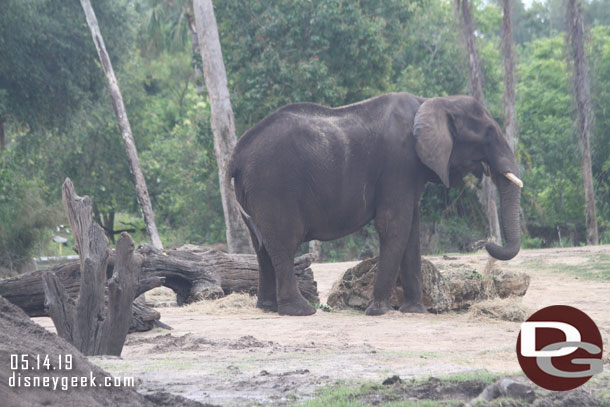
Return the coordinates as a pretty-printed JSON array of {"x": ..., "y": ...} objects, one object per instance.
[
  {"x": 405, "y": 394},
  {"x": 446, "y": 391},
  {"x": 596, "y": 268}
]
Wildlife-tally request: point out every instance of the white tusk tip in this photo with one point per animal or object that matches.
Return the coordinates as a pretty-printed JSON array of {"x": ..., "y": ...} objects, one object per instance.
[{"x": 514, "y": 179}]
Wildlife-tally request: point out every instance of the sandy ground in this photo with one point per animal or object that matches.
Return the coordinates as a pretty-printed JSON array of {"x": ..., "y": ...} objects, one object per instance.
[{"x": 255, "y": 358}]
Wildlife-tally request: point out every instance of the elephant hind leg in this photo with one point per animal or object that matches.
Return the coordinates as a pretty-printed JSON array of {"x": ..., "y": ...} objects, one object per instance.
[
  {"x": 267, "y": 289},
  {"x": 266, "y": 293},
  {"x": 290, "y": 301}
]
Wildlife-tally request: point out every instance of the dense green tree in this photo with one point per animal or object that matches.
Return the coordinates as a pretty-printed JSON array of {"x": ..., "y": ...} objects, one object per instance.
[
  {"x": 278, "y": 52},
  {"x": 24, "y": 216},
  {"x": 547, "y": 146},
  {"x": 48, "y": 65}
]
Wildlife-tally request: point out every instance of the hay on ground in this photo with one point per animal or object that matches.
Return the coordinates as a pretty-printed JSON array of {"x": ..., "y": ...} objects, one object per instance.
[
  {"x": 234, "y": 303},
  {"x": 505, "y": 309}
]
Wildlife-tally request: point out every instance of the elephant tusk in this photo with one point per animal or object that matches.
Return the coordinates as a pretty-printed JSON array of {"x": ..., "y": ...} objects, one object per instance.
[{"x": 514, "y": 179}]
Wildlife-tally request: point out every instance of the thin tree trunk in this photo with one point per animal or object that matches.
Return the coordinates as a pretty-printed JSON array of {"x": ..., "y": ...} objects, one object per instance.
[
  {"x": 510, "y": 117},
  {"x": 121, "y": 114},
  {"x": 223, "y": 126},
  {"x": 2, "y": 136},
  {"x": 195, "y": 45},
  {"x": 582, "y": 98},
  {"x": 489, "y": 191}
]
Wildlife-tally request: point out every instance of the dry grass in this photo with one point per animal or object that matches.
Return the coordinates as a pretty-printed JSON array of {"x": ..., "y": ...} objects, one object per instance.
[
  {"x": 160, "y": 295},
  {"x": 231, "y": 304},
  {"x": 507, "y": 309}
]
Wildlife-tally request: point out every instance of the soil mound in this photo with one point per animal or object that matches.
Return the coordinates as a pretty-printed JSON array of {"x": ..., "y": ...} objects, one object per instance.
[{"x": 24, "y": 346}]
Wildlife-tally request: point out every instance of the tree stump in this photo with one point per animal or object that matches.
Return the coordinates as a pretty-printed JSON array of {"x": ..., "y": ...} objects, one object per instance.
[
  {"x": 456, "y": 288},
  {"x": 87, "y": 323}
]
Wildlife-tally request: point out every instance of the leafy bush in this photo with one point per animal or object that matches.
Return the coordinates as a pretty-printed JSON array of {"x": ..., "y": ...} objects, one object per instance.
[
  {"x": 528, "y": 242},
  {"x": 23, "y": 218}
]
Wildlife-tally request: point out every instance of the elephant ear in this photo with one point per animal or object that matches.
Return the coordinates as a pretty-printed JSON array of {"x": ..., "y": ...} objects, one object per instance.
[{"x": 433, "y": 140}]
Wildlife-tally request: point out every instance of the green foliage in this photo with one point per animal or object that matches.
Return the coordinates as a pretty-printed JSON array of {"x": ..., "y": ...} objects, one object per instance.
[
  {"x": 23, "y": 217},
  {"x": 547, "y": 146},
  {"x": 279, "y": 52},
  {"x": 181, "y": 166},
  {"x": 429, "y": 59},
  {"x": 48, "y": 63},
  {"x": 528, "y": 242}
]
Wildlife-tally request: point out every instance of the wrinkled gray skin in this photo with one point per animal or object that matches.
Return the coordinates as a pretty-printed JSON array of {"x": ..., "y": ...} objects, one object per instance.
[{"x": 310, "y": 172}]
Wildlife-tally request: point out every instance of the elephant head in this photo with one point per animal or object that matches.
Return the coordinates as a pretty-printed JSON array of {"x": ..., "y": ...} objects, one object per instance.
[{"x": 455, "y": 135}]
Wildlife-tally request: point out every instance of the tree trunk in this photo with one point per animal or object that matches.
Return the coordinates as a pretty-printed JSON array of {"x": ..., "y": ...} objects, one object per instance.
[
  {"x": 510, "y": 118},
  {"x": 123, "y": 121},
  {"x": 2, "y": 136},
  {"x": 195, "y": 50},
  {"x": 582, "y": 98},
  {"x": 489, "y": 192},
  {"x": 223, "y": 126}
]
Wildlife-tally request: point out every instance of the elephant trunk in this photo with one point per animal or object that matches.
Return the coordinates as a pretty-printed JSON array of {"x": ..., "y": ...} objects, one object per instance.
[{"x": 510, "y": 197}]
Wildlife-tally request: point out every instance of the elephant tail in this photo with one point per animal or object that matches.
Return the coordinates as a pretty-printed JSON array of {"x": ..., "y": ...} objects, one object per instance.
[
  {"x": 255, "y": 232},
  {"x": 257, "y": 238}
]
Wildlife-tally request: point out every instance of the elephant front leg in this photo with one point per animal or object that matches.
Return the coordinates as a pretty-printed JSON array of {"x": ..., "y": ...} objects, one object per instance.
[
  {"x": 410, "y": 271},
  {"x": 393, "y": 237}
]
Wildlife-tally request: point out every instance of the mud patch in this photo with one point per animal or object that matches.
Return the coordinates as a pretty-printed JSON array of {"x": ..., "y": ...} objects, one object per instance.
[{"x": 189, "y": 343}]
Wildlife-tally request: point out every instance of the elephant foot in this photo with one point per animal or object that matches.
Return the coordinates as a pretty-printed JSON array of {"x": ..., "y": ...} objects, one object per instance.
[
  {"x": 413, "y": 307},
  {"x": 300, "y": 307},
  {"x": 267, "y": 305},
  {"x": 378, "y": 308}
]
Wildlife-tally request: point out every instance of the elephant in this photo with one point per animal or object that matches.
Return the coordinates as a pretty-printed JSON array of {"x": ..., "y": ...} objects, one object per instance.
[{"x": 309, "y": 172}]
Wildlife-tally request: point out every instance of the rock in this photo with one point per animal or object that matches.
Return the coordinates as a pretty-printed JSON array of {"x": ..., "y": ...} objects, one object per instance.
[
  {"x": 436, "y": 292},
  {"x": 465, "y": 285},
  {"x": 355, "y": 288},
  {"x": 510, "y": 283},
  {"x": 508, "y": 388},
  {"x": 392, "y": 380},
  {"x": 458, "y": 287}
]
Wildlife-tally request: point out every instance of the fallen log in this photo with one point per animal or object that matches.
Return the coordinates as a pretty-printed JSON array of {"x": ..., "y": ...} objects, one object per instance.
[{"x": 192, "y": 272}]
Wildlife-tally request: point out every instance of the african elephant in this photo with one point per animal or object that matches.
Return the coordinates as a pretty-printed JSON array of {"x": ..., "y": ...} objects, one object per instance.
[{"x": 310, "y": 172}]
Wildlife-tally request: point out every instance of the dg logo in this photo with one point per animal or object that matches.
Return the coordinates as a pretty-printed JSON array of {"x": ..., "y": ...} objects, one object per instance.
[{"x": 560, "y": 348}]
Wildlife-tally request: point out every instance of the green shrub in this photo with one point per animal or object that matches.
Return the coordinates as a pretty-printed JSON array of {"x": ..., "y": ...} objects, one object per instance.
[
  {"x": 24, "y": 218},
  {"x": 528, "y": 242}
]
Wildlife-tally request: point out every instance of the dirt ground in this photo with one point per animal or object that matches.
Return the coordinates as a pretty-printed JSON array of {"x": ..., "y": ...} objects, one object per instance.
[{"x": 250, "y": 357}]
